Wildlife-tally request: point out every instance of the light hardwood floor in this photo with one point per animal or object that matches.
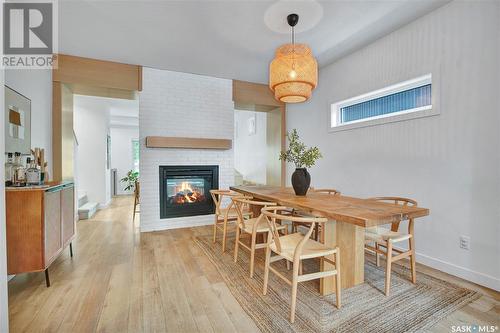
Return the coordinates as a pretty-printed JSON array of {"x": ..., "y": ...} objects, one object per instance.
[{"x": 120, "y": 280}]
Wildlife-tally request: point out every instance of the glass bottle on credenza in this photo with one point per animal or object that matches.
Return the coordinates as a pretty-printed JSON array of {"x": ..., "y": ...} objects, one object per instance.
[
  {"x": 32, "y": 173},
  {"x": 19, "y": 177},
  {"x": 8, "y": 170}
]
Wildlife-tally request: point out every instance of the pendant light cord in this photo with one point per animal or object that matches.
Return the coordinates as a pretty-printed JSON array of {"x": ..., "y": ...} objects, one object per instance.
[{"x": 293, "y": 47}]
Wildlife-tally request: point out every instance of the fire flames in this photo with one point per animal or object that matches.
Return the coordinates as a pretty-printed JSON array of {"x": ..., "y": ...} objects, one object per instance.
[{"x": 187, "y": 194}]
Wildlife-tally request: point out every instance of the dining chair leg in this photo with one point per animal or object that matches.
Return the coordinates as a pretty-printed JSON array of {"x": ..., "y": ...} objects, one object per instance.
[
  {"x": 266, "y": 270},
  {"x": 300, "y": 267},
  {"x": 287, "y": 265},
  {"x": 133, "y": 213},
  {"x": 135, "y": 204},
  {"x": 294, "y": 290},
  {"x": 377, "y": 255},
  {"x": 224, "y": 234},
  {"x": 411, "y": 247},
  {"x": 236, "y": 243},
  {"x": 388, "y": 268},
  {"x": 252, "y": 253},
  {"x": 338, "y": 282},
  {"x": 412, "y": 266},
  {"x": 215, "y": 228}
]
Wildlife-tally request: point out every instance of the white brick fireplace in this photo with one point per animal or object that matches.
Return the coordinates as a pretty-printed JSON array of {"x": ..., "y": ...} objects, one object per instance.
[{"x": 182, "y": 105}]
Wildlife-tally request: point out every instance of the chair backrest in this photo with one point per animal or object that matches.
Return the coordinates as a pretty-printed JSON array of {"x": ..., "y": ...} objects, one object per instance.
[
  {"x": 331, "y": 191},
  {"x": 218, "y": 196},
  {"x": 271, "y": 214},
  {"x": 244, "y": 201},
  {"x": 397, "y": 201}
]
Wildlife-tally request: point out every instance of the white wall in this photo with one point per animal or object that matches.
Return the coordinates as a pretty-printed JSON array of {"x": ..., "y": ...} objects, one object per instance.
[
  {"x": 36, "y": 84},
  {"x": 121, "y": 153},
  {"x": 250, "y": 150},
  {"x": 91, "y": 125},
  {"x": 182, "y": 105},
  {"x": 449, "y": 163}
]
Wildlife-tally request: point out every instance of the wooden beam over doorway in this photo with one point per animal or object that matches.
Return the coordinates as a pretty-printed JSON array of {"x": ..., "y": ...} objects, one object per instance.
[
  {"x": 85, "y": 76},
  {"x": 98, "y": 73}
]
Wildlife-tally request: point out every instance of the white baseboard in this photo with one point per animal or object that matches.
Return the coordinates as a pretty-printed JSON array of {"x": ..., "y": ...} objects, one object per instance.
[
  {"x": 105, "y": 205},
  {"x": 479, "y": 278},
  {"x": 459, "y": 271},
  {"x": 179, "y": 222}
]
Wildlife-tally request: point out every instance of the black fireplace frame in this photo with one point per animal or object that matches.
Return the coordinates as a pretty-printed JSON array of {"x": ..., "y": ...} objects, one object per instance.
[{"x": 179, "y": 170}]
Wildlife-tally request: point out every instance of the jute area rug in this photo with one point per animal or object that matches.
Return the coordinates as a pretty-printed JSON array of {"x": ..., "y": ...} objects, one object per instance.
[{"x": 365, "y": 308}]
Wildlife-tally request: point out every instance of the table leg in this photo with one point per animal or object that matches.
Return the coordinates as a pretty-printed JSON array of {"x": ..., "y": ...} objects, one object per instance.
[{"x": 350, "y": 239}]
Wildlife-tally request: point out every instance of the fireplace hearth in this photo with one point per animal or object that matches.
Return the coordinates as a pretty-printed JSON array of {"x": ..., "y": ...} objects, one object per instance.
[{"x": 185, "y": 190}]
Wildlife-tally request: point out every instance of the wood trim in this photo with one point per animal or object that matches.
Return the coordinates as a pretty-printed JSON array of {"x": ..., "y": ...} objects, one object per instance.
[
  {"x": 80, "y": 89},
  {"x": 139, "y": 79},
  {"x": 93, "y": 72},
  {"x": 67, "y": 133},
  {"x": 254, "y": 93},
  {"x": 57, "y": 130},
  {"x": 194, "y": 143}
]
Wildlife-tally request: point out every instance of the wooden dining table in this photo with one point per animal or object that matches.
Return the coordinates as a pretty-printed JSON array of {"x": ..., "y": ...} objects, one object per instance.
[{"x": 347, "y": 219}]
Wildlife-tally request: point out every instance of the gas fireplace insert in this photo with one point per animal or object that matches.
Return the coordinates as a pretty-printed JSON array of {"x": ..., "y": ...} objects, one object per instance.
[{"x": 185, "y": 190}]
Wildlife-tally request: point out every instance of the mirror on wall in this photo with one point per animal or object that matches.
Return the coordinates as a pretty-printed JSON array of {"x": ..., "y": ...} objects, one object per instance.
[{"x": 17, "y": 122}]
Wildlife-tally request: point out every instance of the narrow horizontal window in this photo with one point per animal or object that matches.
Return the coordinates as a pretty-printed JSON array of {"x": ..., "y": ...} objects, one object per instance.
[{"x": 405, "y": 97}]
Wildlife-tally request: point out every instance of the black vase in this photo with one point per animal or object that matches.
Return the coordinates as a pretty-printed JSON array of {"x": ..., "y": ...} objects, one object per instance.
[{"x": 301, "y": 179}]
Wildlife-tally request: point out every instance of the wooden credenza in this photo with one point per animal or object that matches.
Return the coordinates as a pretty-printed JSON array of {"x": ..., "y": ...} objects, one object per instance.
[{"x": 40, "y": 224}]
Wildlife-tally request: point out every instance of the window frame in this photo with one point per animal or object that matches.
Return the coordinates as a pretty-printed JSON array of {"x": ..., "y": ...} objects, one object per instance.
[{"x": 424, "y": 111}]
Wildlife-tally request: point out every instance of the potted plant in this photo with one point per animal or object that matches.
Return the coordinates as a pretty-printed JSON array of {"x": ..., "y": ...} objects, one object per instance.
[
  {"x": 130, "y": 179},
  {"x": 303, "y": 158}
]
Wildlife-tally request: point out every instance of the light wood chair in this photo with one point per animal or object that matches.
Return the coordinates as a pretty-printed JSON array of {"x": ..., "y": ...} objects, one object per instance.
[
  {"x": 137, "y": 193},
  {"x": 252, "y": 226},
  {"x": 295, "y": 248},
  {"x": 386, "y": 238},
  {"x": 224, "y": 215},
  {"x": 317, "y": 230}
]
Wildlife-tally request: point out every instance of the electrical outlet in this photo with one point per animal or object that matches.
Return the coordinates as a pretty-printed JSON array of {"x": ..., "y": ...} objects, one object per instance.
[{"x": 465, "y": 242}]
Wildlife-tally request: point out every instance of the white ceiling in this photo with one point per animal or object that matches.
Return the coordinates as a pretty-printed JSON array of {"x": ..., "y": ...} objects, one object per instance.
[{"x": 227, "y": 39}]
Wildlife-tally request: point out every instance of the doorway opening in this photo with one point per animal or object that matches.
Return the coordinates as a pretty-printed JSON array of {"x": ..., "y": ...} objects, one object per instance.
[
  {"x": 257, "y": 144},
  {"x": 106, "y": 150}
]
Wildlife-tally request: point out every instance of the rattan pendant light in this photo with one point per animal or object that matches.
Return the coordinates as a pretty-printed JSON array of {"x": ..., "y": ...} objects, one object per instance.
[{"x": 293, "y": 73}]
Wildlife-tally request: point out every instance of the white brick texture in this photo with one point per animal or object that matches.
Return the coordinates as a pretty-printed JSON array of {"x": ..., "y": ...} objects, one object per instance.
[{"x": 182, "y": 105}]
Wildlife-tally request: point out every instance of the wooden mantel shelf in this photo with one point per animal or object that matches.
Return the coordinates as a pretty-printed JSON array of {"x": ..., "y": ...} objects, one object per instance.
[{"x": 187, "y": 143}]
